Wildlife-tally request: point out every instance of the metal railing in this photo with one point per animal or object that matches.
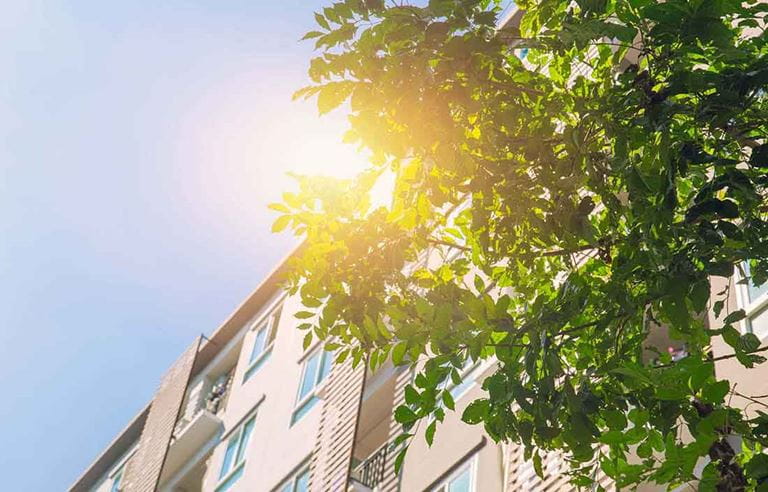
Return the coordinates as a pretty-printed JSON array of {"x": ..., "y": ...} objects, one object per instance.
[
  {"x": 371, "y": 471},
  {"x": 213, "y": 400}
]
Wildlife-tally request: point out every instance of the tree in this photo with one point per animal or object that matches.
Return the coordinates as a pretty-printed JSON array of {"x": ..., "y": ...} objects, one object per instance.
[{"x": 579, "y": 197}]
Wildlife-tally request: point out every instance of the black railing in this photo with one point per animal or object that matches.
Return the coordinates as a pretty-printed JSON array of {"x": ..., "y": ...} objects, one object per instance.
[{"x": 371, "y": 471}]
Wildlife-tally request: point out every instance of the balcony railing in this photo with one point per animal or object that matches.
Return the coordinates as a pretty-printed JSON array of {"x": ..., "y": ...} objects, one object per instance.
[
  {"x": 213, "y": 400},
  {"x": 371, "y": 471}
]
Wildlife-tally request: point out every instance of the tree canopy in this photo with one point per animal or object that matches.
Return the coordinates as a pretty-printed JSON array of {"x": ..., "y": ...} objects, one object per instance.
[{"x": 583, "y": 173}]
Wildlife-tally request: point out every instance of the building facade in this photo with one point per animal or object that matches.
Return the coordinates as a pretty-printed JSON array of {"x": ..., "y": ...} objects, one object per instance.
[{"x": 249, "y": 409}]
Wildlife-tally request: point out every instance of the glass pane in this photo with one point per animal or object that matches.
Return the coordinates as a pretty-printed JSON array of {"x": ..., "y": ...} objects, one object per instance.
[
  {"x": 229, "y": 455},
  {"x": 247, "y": 430},
  {"x": 116, "y": 481},
  {"x": 758, "y": 323},
  {"x": 308, "y": 378},
  {"x": 288, "y": 487},
  {"x": 231, "y": 479},
  {"x": 753, "y": 291},
  {"x": 259, "y": 343},
  {"x": 460, "y": 388},
  {"x": 326, "y": 366},
  {"x": 461, "y": 483},
  {"x": 467, "y": 379},
  {"x": 302, "y": 482},
  {"x": 303, "y": 409}
]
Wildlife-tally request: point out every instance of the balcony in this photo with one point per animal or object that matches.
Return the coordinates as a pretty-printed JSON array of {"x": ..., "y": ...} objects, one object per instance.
[
  {"x": 372, "y": 451},
  {"x": 368, "y": 474},
  {"x": 198, "y": 423}
]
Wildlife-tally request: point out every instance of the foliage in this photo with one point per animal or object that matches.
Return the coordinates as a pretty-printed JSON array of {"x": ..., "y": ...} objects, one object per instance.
[{"x": 578, "y": 199}]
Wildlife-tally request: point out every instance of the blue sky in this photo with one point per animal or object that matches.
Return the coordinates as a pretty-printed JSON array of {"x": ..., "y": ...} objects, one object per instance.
[{"x": 139, "y": 145}]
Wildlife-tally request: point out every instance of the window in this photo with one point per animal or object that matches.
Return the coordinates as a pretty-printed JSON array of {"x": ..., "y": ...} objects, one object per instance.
[
  {"x": 117, "y": 480},
  {"x": 264, "y": 338},
  {"x": 297, "y": 483},
  {"x": 754, "y": 300},
  {"x": 468, "y": 376},
  {"x": 233, "y": 464},
  {"x": 316, "y": 368},
  {"x": 461, "y": 480}
]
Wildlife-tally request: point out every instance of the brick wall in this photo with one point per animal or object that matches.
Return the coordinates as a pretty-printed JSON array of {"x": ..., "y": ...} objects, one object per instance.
[
  {"x": 145, "y": 467},
  {"x": 329, "y": 468}
]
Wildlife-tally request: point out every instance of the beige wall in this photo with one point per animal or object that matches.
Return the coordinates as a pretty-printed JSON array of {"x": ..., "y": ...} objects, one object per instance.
[
  {"x": 453, "y": 441},
  {"x": 748, "y": 382},
  {"x": 275, "y": 447}
]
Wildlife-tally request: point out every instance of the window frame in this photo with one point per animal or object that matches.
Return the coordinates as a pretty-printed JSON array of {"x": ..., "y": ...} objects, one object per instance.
[
  {"x": 303, "y": 404},
  {"x": 269, "y": 322},
  {"x": 235, "y": 469},
  {"x": 117, "y": 479},
  {"x": 120, "y": 468},
  {"x": 468, "y": 375},
  {"x": 292, "y": 480},
  {"x": 470, "y": 464},
  {"x": 751, "y": 307}
]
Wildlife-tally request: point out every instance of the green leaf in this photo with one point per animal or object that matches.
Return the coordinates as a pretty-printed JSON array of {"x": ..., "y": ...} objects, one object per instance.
[
  {"x": 412, "y": 396},
  {"x": 281, "y": 223},
  {"x": 398, "y": 353},
  {"x": 735, "y": 316},
  {"x": 749, "y": 342},
  {"x": 476, "y": 411},
  {"x": 429, "y": 433},
  {"x": 404, "y": 415},
  {"x": 399, "y": 460},
  {"x": 331, "y": 95},
  {"x": 615, "y": 419},
  {"x": 715, "y": 392},
  {"x": 448, "y": 400},
  {"x": 537, "y": 465},
  {"x": 311, "y": 34},
  {"x": 321, "y": 21},
  {"x": 757, "y": 467}
]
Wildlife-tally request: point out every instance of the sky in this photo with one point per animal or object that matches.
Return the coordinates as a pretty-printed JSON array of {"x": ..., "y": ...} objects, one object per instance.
[{"x": 140, "y": 143}]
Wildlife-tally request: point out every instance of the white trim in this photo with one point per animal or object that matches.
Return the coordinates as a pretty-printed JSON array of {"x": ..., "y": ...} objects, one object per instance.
[
  {"x": 269, "y": 322},
  {"x": 470, "y": 463},
  {"x": 296, "y": 472},
  {"x": 475, "y": 370},
  {"x": 270, "y": 308},
  {"x": 235, "y": 469},
  {"x": 751, "y": 308},
  {"x": 317, "y": 385},
  {"x": 237, "y": 433}
]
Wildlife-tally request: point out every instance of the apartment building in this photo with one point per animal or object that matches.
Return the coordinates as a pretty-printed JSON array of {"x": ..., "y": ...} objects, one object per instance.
[{"x": 248, "y": 409}]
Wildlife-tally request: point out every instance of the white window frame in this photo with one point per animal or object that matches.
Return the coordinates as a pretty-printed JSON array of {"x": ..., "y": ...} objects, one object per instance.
[
  {"x": 292, "y": 480},
  {"x": 269, "y": 322},
  {"x": 468, "y": 375},
  {"x": 472, "y": 372},
  {"x": 121, "y": 467},
  {"x": 240, "y": 449},
  {"x": 750, "y": 307},
  {"x": 318, "y": 383},
  {"x": 471, "y": 463},
  {"x": 117, "y": 479}
]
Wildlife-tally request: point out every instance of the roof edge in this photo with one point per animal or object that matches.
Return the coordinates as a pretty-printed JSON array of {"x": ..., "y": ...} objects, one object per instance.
[{"x": 212, "y": 346}]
